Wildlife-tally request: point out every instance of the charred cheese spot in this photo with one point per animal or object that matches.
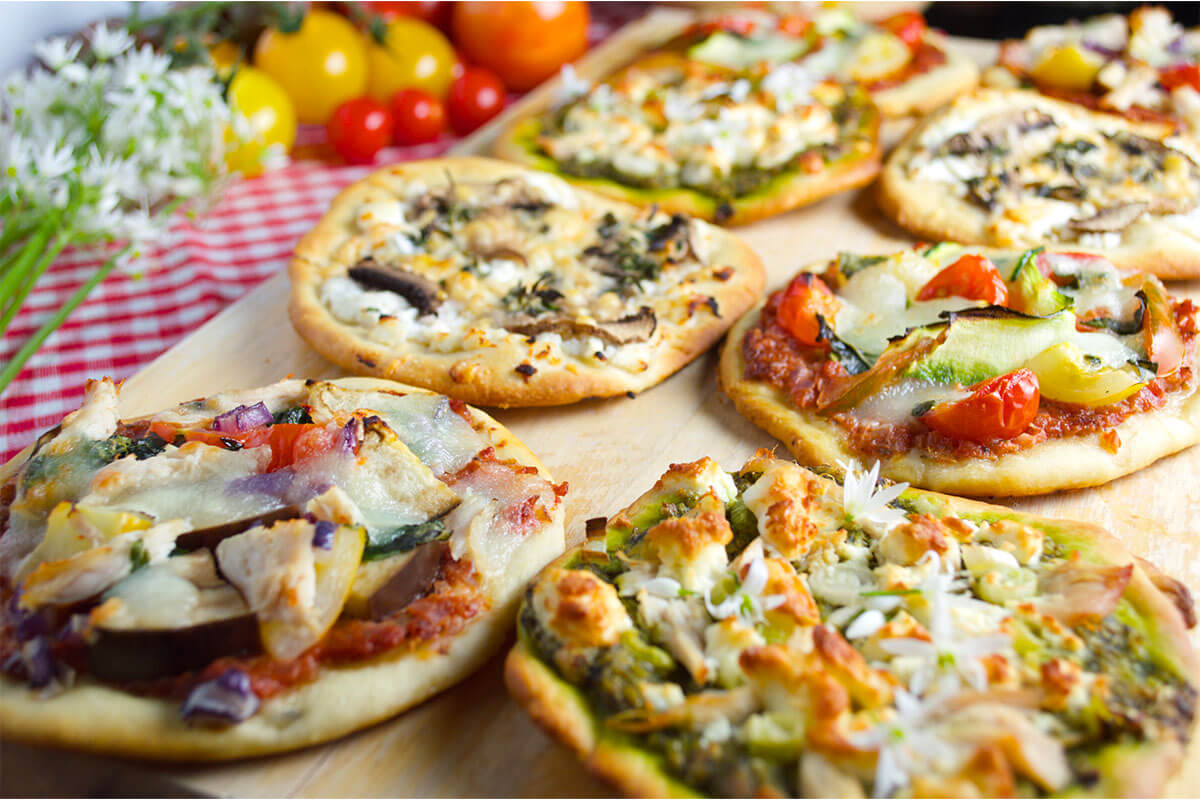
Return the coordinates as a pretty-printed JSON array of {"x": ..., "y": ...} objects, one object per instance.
[
  {"x": 906, "y": 543},
  {"x": 691, "y": 548},
  {"x": 798, "y": 603},
  {"x": 582, "y": 609},
  {"x": 794, "y": 507}
]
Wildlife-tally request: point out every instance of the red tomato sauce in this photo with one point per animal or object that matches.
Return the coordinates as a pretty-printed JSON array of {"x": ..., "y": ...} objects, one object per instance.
[{"x": 805, "y": 373}]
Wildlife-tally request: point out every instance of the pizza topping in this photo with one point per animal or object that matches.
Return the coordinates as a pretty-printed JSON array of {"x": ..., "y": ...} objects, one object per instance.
[
  {"x": 1130, "y": 65},
  {"x": 901, "y": 673},
  {"x": 313, "y": 536},
  {"x": 1045, "y": 171},
  {"x": 1076, "y": 348},
  {"x": 422, "y": 293},
  {"x": 225, "y": 700},
  {"x": 723, "y": 121},
  {"x": 481, "y": 275}
]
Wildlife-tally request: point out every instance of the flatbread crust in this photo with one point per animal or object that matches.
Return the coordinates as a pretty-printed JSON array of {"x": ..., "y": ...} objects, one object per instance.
[
  {"x": 786, "y": 191},
  {"x": 929, "y": 211},
  {"x": 1127, "y": 771},
  {"x": 487, "y": 377},
  {"x": 929, "y": 90},
  {"x": 1067, "y": 463},
  {"x": 91, "y": 716}
]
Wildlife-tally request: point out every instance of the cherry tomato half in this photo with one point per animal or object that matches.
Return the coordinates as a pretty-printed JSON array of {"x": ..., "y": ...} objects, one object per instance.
[
  {"x": 475, "y": 97},
  {"x": 743, "y": 26},
  {"x": 803, "y": 299},
  {"x": 359, "y": 129},
  {"x": 420, "y": 117},
  {"x": 1180, "y": 75},
  {"x": 973, "y": 276},
  {"x": 909, "y": 26},
  {"x": 999, "y": 408}
]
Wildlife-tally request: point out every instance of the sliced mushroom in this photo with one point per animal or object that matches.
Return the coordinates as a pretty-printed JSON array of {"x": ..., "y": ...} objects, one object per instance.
[
  {"x": 422, "y": 293},
  {"x": 1113, "y": 218},
  {"x": 672, "y": 239},
  {"x": 1171, "y": 205},
  {"x": 994, "y": 129},
  {"x": 637, "y": 327},
  {"x": 501, "y": 251}
]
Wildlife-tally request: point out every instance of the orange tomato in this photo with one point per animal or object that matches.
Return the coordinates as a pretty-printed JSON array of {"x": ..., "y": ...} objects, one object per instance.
[{"x": 522, "y": 42}]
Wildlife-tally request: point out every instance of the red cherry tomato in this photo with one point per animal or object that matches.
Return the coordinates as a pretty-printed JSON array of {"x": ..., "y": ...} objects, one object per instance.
[
  {"x": 289, "y": 442},
  {"x": 1000, "y": 408},
  {"x": 475, "y": 97},
  {"x": 359, "y": 129},
  {"x": 909, "y": 26},
  {"x": 973, "y": 277},
  {"x": 1180, "y": 75},
  {"x": 803, "y": 299},
  {"x": 420, "y": 117}
]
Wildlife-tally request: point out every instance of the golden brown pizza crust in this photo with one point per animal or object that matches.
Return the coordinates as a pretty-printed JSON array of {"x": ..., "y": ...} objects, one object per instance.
[
  {"x": 1068, "y": 463},
  {"x": 91, "y": 716},
  {"x": 929, "y": 90},
  {"x": 490, "y": 377},
  {"x": 1141, "y": 771},
  {"x": 1153, "y": 244}
]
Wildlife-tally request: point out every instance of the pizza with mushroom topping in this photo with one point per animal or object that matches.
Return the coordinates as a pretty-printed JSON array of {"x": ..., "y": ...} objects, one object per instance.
[
  {"x": 1013, "y": 168},
  {"x": 1145, "y": 66},
  {"x": 785, "y": 632},
  {"x": 504, "y": 286},
  {"x": 259, "y": 570},
  {"x": 972, "y": 370}
]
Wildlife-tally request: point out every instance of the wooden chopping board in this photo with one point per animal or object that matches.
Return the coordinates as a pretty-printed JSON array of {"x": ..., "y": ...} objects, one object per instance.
[{"x": 473, "y": 740}]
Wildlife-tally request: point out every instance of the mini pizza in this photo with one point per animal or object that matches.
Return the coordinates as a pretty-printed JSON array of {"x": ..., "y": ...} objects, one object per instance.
[
  {"x": 781, "y": 632},
  {"x": 260, "y": 570},
  {"x": 976, "y": 371},
  {"x": 1143, "y": 67},
  {"x": 504, "y": 286},
  {"x": 716, "y": 125},
  {"x": 906, "y": 67},
  {"x": 1010, "y": 168}
]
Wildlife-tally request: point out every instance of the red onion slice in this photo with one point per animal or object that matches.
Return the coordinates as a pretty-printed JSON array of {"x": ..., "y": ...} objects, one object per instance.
[
  {"x": 226, "y": 700},
  {"x": 243, "y": 418}
]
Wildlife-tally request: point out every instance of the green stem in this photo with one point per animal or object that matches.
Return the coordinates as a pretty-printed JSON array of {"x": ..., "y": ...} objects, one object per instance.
[
  {"x": 30, "y": 347},
  {"x": 14, "y": 302},
  {"x": 15, "y": 274}
]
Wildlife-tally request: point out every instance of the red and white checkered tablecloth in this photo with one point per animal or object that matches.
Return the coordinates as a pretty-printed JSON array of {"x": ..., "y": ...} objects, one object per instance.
[{"x": 199, "y": 269}]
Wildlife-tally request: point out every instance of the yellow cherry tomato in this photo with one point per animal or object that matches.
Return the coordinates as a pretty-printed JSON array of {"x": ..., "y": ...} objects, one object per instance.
[
  {"x": 269, "y": 120},
  {"x": 1067, "y": 67},
  {"x": 320, "y": 66},
  {"x": 413, "y": 55},
  {"x": 1065, "y": 374}
]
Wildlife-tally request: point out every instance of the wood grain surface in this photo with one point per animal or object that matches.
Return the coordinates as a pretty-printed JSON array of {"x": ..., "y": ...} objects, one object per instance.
[{"x": 473, "y": 740}]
